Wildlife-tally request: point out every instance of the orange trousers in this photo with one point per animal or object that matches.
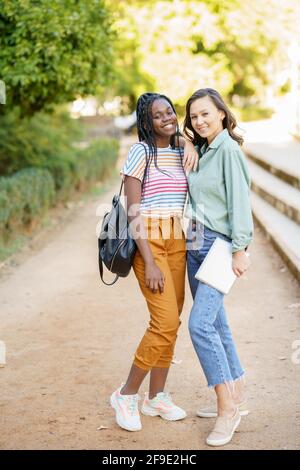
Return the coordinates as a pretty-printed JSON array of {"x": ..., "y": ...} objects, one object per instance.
[{"x": 167, "y": 244}]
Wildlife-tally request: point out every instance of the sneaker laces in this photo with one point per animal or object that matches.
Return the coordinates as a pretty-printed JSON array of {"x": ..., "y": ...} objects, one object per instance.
[
  {"x": 165, "y": 397},
  {"x": 132, "y": 401}
]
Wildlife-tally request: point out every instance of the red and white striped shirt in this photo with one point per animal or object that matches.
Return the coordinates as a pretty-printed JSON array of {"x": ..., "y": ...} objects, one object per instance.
[{"x": 163, "y": 194}]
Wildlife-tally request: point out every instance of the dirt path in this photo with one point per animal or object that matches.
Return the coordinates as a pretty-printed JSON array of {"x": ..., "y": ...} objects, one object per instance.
[{"x": 70, "y": 342}]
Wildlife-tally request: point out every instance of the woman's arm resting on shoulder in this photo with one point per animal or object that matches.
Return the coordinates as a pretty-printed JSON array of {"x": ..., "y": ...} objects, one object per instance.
[
  {"x": 191, "y": 156},
  {"x": 154, "y": 278}
]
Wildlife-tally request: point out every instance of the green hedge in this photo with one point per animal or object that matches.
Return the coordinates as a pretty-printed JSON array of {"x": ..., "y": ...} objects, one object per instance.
[
  {"x": 42, "y": 163},
  {"x": 34, "y": 142},
  {"x": 95, "y": 162},
  {"x": 79, "y": 168},
  {"x": 28, "y": 193},
  {"x": 52, "y": 142},
  {"x": 23, "y": 198}
]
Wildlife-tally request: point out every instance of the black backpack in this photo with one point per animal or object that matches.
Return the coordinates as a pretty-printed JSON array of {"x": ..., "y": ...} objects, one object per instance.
[{"x": 116, "y": 247}]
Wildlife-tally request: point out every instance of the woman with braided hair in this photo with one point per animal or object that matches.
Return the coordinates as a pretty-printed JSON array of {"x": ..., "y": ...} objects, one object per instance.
[{"x": 155, "y": 188}]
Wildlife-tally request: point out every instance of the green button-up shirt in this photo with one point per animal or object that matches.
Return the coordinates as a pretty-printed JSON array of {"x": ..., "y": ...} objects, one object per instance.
[{"x": 219, "y": 191}]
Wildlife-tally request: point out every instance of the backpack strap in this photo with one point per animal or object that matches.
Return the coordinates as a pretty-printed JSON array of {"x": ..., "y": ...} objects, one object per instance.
[
  {"x": 100, "y": 263},
  {"x": 101, "y": 273},
  {"x": 121, "y": 187}
]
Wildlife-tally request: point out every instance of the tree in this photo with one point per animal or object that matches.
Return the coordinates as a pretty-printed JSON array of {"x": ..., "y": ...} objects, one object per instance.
[
  {"x": 235, "y": 46},
  {"x": 129, "y": 78},
  {"x": 52, "y": 51}
]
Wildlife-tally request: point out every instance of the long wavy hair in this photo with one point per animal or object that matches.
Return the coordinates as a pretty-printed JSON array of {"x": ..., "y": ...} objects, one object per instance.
[
  {"x": 146, "y": 130},
  {"x": 229, "y": 121}
]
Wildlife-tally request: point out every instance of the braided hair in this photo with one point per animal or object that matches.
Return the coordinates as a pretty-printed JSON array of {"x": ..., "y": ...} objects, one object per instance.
[{"x": 146, "y": 130}]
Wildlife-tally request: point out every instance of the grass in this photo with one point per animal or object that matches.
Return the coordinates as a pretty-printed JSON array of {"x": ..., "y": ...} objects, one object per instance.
[{"x": 12, "y": 247}]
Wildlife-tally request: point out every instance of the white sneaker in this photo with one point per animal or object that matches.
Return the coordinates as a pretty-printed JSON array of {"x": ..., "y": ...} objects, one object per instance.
[
  {"x": 126, "y": 408},
  {"x": 163, "y": 406},
  {"x": 211, "y": 411},
  {"x": 224, "y": 430}
]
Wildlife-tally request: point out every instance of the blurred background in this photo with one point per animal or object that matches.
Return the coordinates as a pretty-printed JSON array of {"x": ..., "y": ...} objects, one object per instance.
[
  {"x": 71, "y": 72},
  {"x": 70, "y": 75}
]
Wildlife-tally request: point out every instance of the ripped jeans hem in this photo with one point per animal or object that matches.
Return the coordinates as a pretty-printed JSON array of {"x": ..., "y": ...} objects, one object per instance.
[{"x": 229, "y": 383}]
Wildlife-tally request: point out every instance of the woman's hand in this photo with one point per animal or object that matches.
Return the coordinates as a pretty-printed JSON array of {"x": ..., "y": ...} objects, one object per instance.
[
  {"x": 240, "y": 262},
  {"x": 190, "y": 157},
  {"x": 154, "y": 278}
]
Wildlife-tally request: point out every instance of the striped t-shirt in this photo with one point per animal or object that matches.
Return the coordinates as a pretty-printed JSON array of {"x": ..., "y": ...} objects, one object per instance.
[{"x": 163, "y": 194}]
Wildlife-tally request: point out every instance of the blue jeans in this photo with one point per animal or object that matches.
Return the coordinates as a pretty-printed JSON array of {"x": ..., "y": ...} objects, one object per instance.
[{"x": 208, "y": 326}]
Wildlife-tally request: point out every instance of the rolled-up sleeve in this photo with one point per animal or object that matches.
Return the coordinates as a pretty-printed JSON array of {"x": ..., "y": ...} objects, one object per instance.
[{"x": 237, "y": 183}]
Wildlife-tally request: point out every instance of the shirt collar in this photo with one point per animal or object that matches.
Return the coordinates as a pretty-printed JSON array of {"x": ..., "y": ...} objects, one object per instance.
[{"x": 218, "y": 140}]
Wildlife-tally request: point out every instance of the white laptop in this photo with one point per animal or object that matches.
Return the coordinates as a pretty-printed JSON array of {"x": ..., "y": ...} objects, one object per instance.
[{"x": 216, "y": 269}]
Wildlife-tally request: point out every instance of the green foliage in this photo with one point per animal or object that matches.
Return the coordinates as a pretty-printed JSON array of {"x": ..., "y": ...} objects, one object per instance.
[
  {"x": 52, "y": 51},
  {"x": 234, "y": 46},
  {"x": 96, "y": 162},
  {"x": 129, "y": 78},
  {"x": 51, "y": 142},
  {"x": 83, "y": 167},
  {"x": 23, "y": 198},
  {"x": 36, "y": 141},
  {"x": 26, "y": 195},
  {"x": 253, "y": 113}
]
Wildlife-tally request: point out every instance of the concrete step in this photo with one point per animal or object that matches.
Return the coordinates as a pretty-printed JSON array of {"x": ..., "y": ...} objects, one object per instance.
[
  {"x": 276, "y": 192},
  {"x": 283, "y": 233},
  {"x": 282, "y": 161}
]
